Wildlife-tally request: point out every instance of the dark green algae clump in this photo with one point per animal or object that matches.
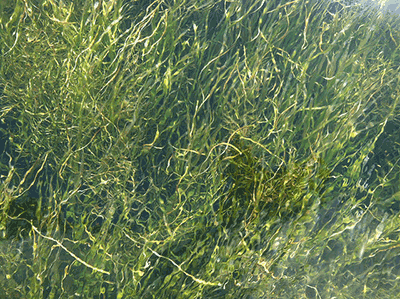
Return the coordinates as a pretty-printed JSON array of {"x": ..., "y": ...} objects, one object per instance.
[{"x": 255, "y": 191}]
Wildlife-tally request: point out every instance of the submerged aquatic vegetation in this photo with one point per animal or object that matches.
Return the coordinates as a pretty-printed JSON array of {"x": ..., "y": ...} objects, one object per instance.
[{"x": 198, "y": 149}]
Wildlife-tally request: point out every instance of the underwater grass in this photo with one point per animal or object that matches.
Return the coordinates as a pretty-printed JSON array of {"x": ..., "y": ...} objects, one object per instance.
[{"x": 199, "y": 149}]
